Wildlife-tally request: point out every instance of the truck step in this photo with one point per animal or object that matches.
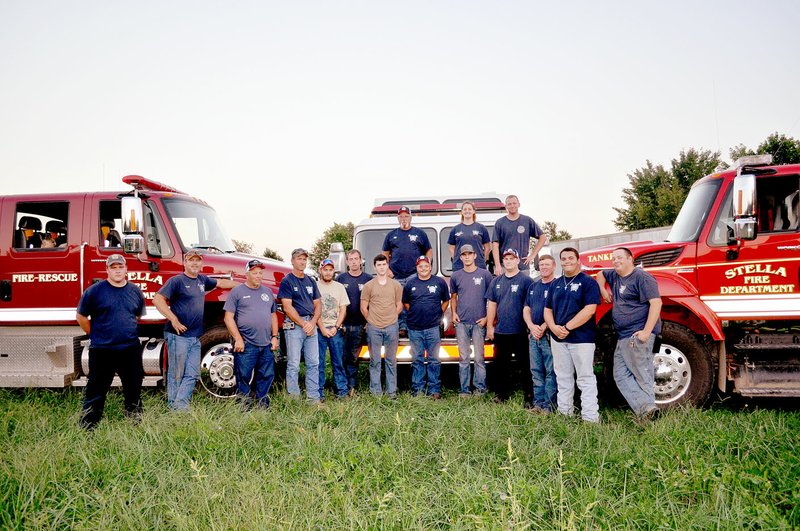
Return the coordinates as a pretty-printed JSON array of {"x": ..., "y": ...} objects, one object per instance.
[
  {"x": 37, "y": 379},
  {"x": 149, "y": 381}
]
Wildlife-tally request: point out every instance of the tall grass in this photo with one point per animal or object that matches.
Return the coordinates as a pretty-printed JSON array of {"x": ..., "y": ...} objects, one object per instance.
[{"x": 370, "y": 463}]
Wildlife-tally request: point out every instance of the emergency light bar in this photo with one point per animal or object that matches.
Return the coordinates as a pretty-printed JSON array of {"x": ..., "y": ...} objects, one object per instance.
[
  {"x": 429, "y": 208},
  {"x": 140, "y": 183}
]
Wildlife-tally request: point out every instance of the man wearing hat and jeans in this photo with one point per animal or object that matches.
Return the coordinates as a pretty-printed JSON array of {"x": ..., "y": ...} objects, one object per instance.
[
  {"x": 108, "y": 311},
  {"x": 301, "y": 304},
  {"x": 182, "y": 301},
  {"x": 469, "y": 286},
  {"x": 402, "y": 246},
  {"x": 252, "y": 322},
  {"x": 334, "y": 302},
  {"x": 425, "y": 297}
]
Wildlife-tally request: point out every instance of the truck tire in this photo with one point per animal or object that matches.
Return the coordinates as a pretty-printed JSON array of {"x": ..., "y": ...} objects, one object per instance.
[
  {"x": 684, "y": 369},
  {"x": 216, "y": 363}
]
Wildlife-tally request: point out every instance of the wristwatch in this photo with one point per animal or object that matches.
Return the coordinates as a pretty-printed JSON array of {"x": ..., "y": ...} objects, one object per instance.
[{"x": 567, "y": 328}]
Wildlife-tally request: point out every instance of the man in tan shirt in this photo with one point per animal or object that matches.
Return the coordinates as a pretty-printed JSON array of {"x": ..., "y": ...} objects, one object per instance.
[{"x": 381, "y": 302}]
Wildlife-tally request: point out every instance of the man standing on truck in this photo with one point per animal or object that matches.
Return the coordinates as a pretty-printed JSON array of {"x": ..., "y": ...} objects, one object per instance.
[
  {"x": 569, "y": 314},
  {"x": 381, "y": 302},
  {"x": 506, "y": 296},
  {"x": 636, "y": 315},
  {"x": 253, "y": 324},
  {"x": 300, "y": 298},
  {"x": 425, "y": 298},
  {"x": 334, "y": 300},
  {"x": 108, "y": 311},
  {"x": 353, "y": 326},
  {"x": 402, "y": 246},
  {"x": 514, "y": 231},
  {"x": 182, "y": 301},
  {"x": 542, "y": 373},
  {"x": 470, "y": 285}
]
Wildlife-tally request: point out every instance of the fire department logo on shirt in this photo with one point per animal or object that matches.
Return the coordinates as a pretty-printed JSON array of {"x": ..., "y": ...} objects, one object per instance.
[
  {"x": 200, "y": 285},
  {"x": 574, "y": 287},
  {"x": 622, "y": 289},
  {"x": 265, "y": 297},
  {"x": 514, "y": 288},
  {"x": 477, "y": 281},
  {"x": 412, "y": 237},
  {"x": 520, "y": 229},
  {"x": 545, "y": 294},
  {"x": 309, "y": 290},
  {"x": 360, "y": 287},
  {"x": 460, "y": 233},
  {"x": 432, "y": 289}
]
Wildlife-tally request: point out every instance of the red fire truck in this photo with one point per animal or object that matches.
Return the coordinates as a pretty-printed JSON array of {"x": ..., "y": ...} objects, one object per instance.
[
  {"x": 728, "y": 274},
  {"x": 54, "y": 246}
]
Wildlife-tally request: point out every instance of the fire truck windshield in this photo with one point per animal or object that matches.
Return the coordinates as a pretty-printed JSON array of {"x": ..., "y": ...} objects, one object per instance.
[
  {"x": 197, "y": 225},
  {"x": 694, "y": 212}
]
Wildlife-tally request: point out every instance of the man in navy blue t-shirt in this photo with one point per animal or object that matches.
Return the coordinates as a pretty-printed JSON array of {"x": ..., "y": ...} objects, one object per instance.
[
  {"x": 507, "y": 295},
  {"x": 353, "y": 281},
  {"x": 514, "y": 231},
  {"x": 425, "y": 297},
  {"x": 108, "y": 311},
  {"x": 544, "y": 377},
  {"x": 636, "y": 315},
  {"x": 182, "y": 301},
  {"x": 569, "y": 314},
  {"x": 402, "y": 246}
]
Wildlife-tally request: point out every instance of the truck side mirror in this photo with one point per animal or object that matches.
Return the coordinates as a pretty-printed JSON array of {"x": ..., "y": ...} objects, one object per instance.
[
  {"x": 338, "y": 256},
  {"x": 744, "y": 207},
  {"x": 132, "y": 225}
]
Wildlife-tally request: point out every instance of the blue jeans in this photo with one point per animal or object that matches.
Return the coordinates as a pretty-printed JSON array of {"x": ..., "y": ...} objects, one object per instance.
[
  {"x": 336, "y": 346},
  {"x": 183, "y": 369},
  {"x": 297, "y": 343},
  {"x": 425, "y": 344},
  {"x": 353, "y": 336},
  {"x": 256, "y": 363},
  {"x": 574, "y": 363},
  {"x": 471, "y": 334},
  {"x": 633, "y": 372},
  {"x": 545, "y": 389},
  {"x": 401, "y": 318},
  {"x": 386, "y": 338}
]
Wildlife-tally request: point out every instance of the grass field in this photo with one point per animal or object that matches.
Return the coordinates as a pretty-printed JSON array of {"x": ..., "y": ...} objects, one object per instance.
[{"x": 413, "y": 463}]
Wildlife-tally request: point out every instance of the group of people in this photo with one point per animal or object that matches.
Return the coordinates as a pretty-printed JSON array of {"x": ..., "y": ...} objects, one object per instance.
[{"x": 548, "y": 324}]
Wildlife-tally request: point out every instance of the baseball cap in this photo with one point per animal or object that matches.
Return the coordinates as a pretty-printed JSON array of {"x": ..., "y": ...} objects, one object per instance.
[
  {"x": 297, "y": 252},
  {"x": 423, "y": 258},
  {"x": 402, "y": 210},
  {"x": 511, "y": 252},
  {"x": 252, "y": 264},
  {"x": 326, "y": 262},
  {"x": 192, "y": 252},
  {"x": 466, "y": 248},
  {"x": 115, "y": 259}
]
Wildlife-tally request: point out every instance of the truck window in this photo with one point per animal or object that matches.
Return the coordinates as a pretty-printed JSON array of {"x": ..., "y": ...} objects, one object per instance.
[
  {"x": 370, "y": 243},
  {"x": 694, "y": 212},
  {"x": 197, "y": 226},
  {"x": 155, "y": 235},
  {"x": 110, "y": 223},
  {"x": 41, "y": 225},
  {"x": 110, "y": 229}
]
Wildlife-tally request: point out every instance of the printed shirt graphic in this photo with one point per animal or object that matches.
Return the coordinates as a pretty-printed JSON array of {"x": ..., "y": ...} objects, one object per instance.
[
  {"x": 354, "y": 286},
  {"x": 510, "y": 295},
  {"x": 475, "y": 235},
  {"x": 517, "y": 235},
  {"x": 252, "y": 309},
  {"x": 302, "y": 292},
  {"x": 472, "y": 289},
  {"x": 406, "y": 246},
  {"x": 537, "y": 296},
  {"x": 631, "y": 295},
  {"x": 566, "y": 297},
  {"x": 333, "y": 295},
  {"x": 187, "y": 299},
  {"x": 425, "y": 298}
]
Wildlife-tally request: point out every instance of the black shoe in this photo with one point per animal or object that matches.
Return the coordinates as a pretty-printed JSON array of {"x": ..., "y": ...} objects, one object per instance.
[
  {"x": 528, "y": 405},
  {"x": 436, "y": 396}
]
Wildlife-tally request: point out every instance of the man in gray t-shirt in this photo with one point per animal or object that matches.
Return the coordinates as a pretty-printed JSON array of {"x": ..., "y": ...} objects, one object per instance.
[{"x": 252, "y": 322}]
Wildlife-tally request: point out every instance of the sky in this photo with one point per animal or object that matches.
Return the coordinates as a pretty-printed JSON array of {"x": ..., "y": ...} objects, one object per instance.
[{"x": 289, "y": 116}]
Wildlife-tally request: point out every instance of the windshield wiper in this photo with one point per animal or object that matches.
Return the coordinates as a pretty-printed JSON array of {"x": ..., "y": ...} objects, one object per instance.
[{"x": 210, "y": 247}]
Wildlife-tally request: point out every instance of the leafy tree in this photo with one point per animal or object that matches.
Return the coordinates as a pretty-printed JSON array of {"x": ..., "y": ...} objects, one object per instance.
[
  {"x": 554, "y": 233},
  {"x": 269, "y": 253},
  {"x": 784, "y": 149},
  {"x": 243, "y": 246},
  {"x": 656, "y": 193},
  {"x": 335, "y": 233}
]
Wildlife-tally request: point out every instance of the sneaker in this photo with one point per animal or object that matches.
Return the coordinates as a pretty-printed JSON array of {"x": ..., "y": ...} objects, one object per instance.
[
  {"x": 647, "y": 417},
  {"x": 436, "y": 396},
  {"x": 528, "y": 405},
  {"x": 464, "y": 395},
  {"x": 539, "y": 410},
  {"x": 392, "y": 397}
]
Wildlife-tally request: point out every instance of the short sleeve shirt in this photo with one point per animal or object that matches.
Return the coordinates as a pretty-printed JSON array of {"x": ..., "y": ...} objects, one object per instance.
[
  {"x": 631, "y": 295},
  {"x": 475, "y": 235},
  {"x": 332, "y": 296},
  {"x": 509, "y": 293},
  {"x": 113, "y": 312},
  {"x": 537, "y": 295},
  {"x": 472, "y": 289},
  {"x": 301, "y": 291},
  {"x": 252, "y": 309},
  {"x": 406, "y": 246},
  {"x": 382, "y": 301},
  {"x": 187, "y": 298},
  {"x": 354, "y": 286},
  {"x": 425, "y": 298},
  {"x": 566, "y": 298},
  {"x": 517, "y": 235}
]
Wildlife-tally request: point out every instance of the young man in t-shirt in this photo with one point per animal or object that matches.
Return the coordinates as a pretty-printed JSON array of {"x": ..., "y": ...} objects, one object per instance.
[
  {"x": 507, "y": 295},
  {"x": 425, "y": 298},
  {"x": 353, "y": 325},
  {"x": 252, "y": 322},
  {"x": 108, "y": 311},
  {"x": 514, "y": 231},
  {"x": 569, "y": 314},
  {"x": 299, "y": 296},
  {"x": 636, "y": 315},
  {"x": 381, "y": 302},
  {"x": 545, "y": 389},
  {"x": 182, "y": 301},
  {"x": 469, "y": 287},
  {"x": 334, "y": 300}
]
